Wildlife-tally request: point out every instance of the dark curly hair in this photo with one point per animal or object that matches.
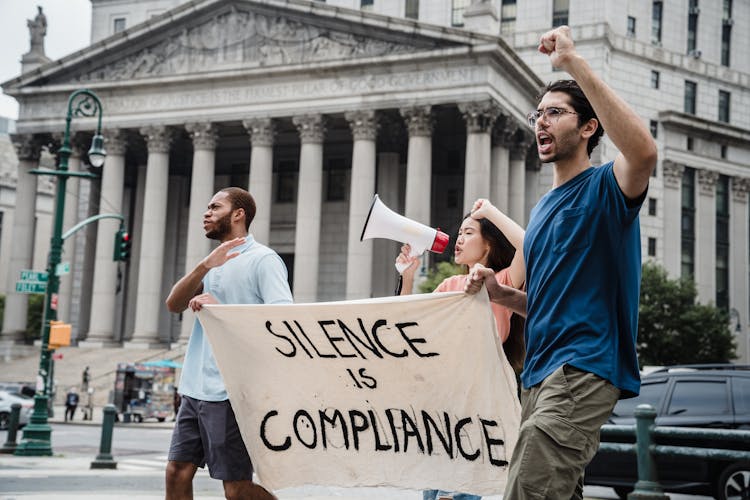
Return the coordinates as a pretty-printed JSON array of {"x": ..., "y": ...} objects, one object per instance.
[
  {"x": 580, "y": 103},
  {"x": 239, "y": 198}
]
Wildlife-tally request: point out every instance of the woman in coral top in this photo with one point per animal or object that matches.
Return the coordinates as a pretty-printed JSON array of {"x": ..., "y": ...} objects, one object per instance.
[{"x": 488, "y": 237}]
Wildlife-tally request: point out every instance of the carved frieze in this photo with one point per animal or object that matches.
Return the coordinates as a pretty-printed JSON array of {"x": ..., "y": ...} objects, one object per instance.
[
  {"x": 740, "y": 188},
  {"x": 479, "y": 115},
  {"x": 364, "y": 125},
  {"x": 419, "y": 120},
  {"x": 262, "y": 131},
  {"x": 243, "y": 37},
  {"x": 672, "y": 174},
  {"x": 311, "y": 128},
  {"x": 204, "y": 135}
]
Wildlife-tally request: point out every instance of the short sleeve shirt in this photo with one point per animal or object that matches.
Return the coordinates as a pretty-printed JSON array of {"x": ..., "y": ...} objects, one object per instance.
[
  {"x": 256, "y": 276},
  {"x": 502, "y": 314},
  {"x": 583, "y": 271}
]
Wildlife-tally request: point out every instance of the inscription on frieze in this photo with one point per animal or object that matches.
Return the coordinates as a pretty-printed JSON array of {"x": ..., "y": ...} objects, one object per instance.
[{"x": 169, "y": 98}]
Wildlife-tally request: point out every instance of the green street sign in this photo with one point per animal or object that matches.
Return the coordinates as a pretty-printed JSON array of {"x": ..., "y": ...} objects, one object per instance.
[
  {"x": 62, "y": 268},
  {"x": 31, "y": 287},
  {"x": 31, "y": 275}
]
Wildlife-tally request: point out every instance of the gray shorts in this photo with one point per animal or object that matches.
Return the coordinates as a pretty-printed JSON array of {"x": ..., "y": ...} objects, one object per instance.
[{"x": 206, "y": 433}]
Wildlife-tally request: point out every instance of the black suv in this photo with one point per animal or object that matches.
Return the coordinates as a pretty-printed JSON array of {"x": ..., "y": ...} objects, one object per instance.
[{"x": 707, "y": 396}]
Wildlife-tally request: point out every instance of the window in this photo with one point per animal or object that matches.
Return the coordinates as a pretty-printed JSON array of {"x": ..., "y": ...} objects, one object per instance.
[
  {"x": 336, "y": 180},
  {"x": 652, "y": 206},
  {"x": 726, "y": 9},
  {"x": 656, "y": 12},
  {"x": 691, "y": 89},
  {"x": 654, "y": 127},
  {"x": 723, "y": 152},
  {"x": 692, "y": 37},
  {"x": 457, "y": 12},
  {"x": 560, "y": 12},
  {"x": 689, "y": 144},
  {"x": 655, "y": 79},
  {"x": 286, "y": 181},
  {"x": 366, "y": 4},
  {"x": 693, "y": 397},
  {"x": 288, "y": 259},
  {"x": 651, "y": 394},
  {"x": 652, "y": 247},
  {"x": 741, "y": 390},
  {"x": 631, "y": 26},
  {"x": 724, "y": 98},
  {"x": 726, "y": 43},
  {"x": 688, "y": 224},
  {"x": 119, "y": 24},
  {"x": 508, "y": 17},
  {"x": 411, "y": 10},
  {"x": 722, "y": 243}
]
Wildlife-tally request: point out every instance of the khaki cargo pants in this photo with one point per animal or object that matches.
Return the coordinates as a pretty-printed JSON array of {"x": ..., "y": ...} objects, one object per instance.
[{"x": 559, "y": 436}]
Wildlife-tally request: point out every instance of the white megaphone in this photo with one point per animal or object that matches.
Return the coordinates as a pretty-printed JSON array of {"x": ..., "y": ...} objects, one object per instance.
[{"x": 382, "y": 222}]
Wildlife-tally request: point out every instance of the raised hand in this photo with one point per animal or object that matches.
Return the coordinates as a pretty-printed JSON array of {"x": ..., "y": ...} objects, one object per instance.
[
  {"x": 482, "y": 209},
  {"x": 558, "y": 45},
  {"x": 221, "y": 254}
]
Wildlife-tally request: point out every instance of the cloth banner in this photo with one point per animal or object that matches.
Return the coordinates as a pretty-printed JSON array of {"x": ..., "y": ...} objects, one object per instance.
[{"x": 410, "y": 392}]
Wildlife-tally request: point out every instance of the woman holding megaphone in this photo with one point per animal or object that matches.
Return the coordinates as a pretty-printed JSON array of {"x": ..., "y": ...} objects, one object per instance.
[{"x": 488, "y": 237}]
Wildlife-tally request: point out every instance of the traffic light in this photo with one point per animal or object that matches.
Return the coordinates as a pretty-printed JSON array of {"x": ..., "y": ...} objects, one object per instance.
[{"x": 122, "y": 245}]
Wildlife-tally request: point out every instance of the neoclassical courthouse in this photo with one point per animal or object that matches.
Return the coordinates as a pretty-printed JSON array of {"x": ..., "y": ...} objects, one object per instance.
[{"x": 315, "y": 106}]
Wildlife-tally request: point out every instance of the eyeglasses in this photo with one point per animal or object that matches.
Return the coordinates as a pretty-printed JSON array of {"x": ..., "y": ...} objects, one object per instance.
[{"x": 551, "y": 114}]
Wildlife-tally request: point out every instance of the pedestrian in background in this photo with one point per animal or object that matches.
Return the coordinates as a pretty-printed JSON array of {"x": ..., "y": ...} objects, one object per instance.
[
  {"x": 239, "y": 271},
  {"x": 583, "y": 259},
  {"x": 71, "y": 403},
  {"x": 85, "y": 378}
]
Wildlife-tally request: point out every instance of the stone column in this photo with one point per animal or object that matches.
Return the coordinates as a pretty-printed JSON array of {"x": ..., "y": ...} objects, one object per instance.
[
  {"x": 359, "y": 253},
  {"x": 517, "y": 181},
  {"x": 104, "y": 292},
  {"x": 418, "y": 163},
  {"x": 151, "y": 265},
  {"x": 70, "y": 219},
  {"x": 309, "y": 203},
  {"x": 204, "y": 136},
  {"x": 479, "y": 117},
  {"x": 739, "y": 262},
  {"x": 262, "y": 133},
  {"x": 28, "y": 149},
  {"x": 500, "y": 164},
  {"x": 705, "y": 236},
  {"x": 672, "y": 196}
]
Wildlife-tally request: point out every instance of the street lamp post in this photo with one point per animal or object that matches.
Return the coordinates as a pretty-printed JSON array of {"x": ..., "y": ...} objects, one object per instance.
[{"x": 37, "y": 435}]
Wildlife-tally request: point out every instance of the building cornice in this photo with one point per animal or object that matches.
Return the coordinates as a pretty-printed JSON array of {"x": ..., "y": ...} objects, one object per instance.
[{"x": 700, "y": 127}]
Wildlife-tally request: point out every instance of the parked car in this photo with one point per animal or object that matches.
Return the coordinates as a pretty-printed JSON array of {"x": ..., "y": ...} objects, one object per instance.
[
  {"x": 705, "y": 396},
  {"x": 24, "y": 388},
  {"x": 6, "y": 400}
]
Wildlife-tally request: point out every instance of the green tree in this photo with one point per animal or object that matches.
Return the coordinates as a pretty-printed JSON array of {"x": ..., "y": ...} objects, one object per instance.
[
  {"x": 674, "y": 329},
  {"x": 437, "y": 274}
]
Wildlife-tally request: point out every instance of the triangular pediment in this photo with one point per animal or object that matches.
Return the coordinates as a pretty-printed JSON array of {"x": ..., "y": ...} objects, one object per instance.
[{"x": 218, "y": 35}]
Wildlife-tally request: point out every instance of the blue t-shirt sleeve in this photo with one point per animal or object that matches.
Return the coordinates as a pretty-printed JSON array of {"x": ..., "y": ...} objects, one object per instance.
[
  {"x": 624, "y": 209},
  {"x": 273, "y": 286}
]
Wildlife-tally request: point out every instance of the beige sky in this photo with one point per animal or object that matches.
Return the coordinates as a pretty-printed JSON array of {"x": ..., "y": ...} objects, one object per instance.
[{"x": 68, "y": 30}]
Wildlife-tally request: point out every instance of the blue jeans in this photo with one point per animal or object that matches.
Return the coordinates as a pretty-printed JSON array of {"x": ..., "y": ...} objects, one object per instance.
[{"x": 434, "y": 494}]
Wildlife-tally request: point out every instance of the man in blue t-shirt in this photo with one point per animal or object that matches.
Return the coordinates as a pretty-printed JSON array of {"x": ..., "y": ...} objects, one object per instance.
[
  {"x": 239, "y": 271},
  {"x": 583, "y": 260}
]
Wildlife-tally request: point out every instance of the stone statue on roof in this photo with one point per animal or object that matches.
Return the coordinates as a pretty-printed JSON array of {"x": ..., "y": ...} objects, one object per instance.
[{"x": 37, "y": 32}]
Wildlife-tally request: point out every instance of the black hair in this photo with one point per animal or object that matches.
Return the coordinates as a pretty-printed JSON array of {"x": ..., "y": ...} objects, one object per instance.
[
  {"x": 580, "y": 104},
  {"x": 499, "y": 257},
  {"x": 240, "y": 198}
]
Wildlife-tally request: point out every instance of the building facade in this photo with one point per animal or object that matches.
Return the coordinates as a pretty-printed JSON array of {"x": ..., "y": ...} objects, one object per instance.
[{"x": 315, "y": 106}]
